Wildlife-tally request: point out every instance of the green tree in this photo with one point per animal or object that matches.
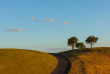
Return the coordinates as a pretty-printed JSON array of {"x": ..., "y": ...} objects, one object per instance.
[
  {"x": 80, "y": 45},
  {"x": 91, "y": 40},
  {"x": 72, "y": 41}
]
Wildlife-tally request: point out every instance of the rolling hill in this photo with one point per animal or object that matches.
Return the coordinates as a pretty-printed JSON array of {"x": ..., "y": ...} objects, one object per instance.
[
  {"x": 96, "y": 61},
  {"x": 20, "y": 61}
]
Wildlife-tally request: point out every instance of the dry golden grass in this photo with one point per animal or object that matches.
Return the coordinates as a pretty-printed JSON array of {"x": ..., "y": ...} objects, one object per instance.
[
  {"x": 89, "y": 62},
  {"x": 17, "y": 61}
]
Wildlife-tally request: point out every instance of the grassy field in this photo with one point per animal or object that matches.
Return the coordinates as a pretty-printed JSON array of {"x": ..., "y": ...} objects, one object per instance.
[
  {"x": 20, "y": 61},
  {"x": 96, "y": 61}
]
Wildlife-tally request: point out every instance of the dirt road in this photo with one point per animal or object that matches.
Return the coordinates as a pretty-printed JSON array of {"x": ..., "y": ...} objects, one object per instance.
[{"x": 63, "y": 65}]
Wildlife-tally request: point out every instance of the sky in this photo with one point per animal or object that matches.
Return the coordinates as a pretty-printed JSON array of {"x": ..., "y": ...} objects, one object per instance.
[{"x": 46, "y": 25}]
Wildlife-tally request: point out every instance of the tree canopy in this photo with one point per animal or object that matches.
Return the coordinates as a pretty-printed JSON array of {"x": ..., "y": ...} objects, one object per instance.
[
  {"x": 91, "y": 40},
  {"x": 80, "y": 45},
  {"x": 72, "y": 41}
]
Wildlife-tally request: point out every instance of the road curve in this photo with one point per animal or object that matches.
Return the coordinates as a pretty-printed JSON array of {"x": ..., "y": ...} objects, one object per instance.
[{"x": 63, "y": 65}]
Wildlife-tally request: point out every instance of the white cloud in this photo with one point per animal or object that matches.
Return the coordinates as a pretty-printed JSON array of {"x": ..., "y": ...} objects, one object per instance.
[
  {"x": 66, "y": 23},
  {"x": 34, "y": 19},
  {"x": 12, "y": 30},
  {"x": 50, "y": 20}
]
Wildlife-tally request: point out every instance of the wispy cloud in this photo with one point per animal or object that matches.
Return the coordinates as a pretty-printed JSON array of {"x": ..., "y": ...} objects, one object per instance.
[
  {"x": 66, "y": 23},
  {"x": 12, "y": 30},
  {"x": 50, "y": 20},
  {"x": 34, "y": 19},
  {"x": 47, "y": 20}
]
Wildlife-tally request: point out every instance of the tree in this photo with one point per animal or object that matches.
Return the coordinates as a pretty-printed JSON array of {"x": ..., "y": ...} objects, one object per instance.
[
  {"x": 91, "y": 40},
  {"x": 72, "y": 41},
  {"x": 80, "y": 45}
]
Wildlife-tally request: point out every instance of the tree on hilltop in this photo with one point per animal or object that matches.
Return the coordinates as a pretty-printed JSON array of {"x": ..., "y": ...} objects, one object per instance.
[
  {"x": 80, "y": 45},
  {"x": 91, "y": 40},
  {"x": 72, "y": 41}
]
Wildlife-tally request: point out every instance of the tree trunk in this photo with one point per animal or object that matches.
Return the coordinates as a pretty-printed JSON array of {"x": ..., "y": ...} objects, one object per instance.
[
  {"x": 91, "y": 46},
  {"x": 73, "y": 47}
]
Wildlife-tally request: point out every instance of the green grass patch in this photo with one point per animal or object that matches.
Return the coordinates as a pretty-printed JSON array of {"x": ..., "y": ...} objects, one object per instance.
[{"x": 20, "y": 61}]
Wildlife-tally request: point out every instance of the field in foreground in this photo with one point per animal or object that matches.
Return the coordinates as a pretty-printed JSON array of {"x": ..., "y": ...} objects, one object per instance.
[
  {"x": 19, "y": 61},
  {"x": 96, "y": 61}
]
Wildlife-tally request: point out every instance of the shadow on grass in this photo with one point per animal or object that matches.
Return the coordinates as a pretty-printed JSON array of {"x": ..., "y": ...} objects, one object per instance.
[{"x": 74, "y": 53}]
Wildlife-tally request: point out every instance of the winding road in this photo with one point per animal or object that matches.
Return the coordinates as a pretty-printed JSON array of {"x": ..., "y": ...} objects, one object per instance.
[{"x": 63, "y": 65}]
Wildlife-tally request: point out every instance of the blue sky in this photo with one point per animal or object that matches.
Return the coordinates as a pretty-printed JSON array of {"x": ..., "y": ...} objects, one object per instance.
[{"x": 45, "y": 25}]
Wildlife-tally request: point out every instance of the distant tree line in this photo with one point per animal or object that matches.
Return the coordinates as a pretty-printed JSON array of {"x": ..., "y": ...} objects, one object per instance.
[{"x": 73, "y": 42}]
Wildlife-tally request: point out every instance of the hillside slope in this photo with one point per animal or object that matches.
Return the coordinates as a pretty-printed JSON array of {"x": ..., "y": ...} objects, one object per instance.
[
  {"x": 19, "y": 61},
  {"x": 96, "y": 61}
]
